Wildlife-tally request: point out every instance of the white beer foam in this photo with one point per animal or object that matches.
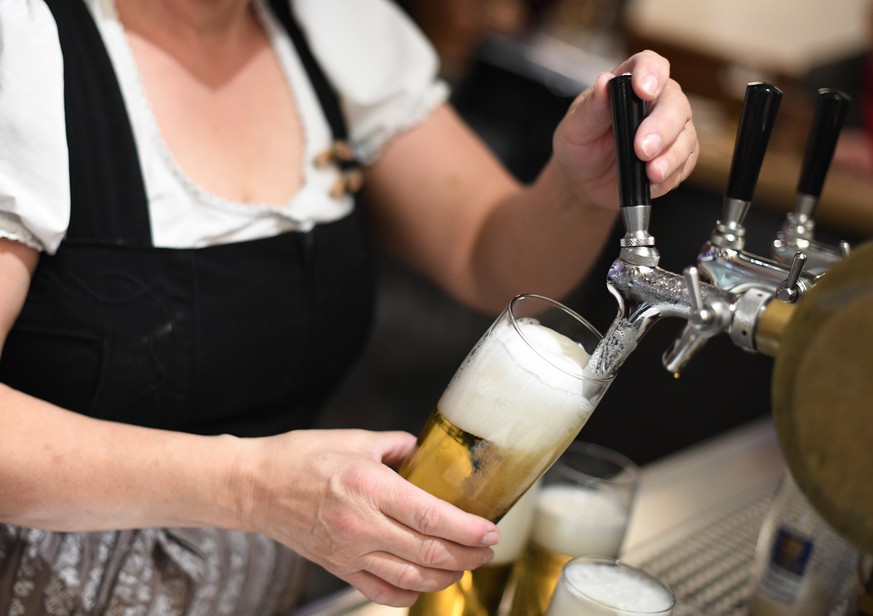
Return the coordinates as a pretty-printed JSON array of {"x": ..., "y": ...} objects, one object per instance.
[
  {"x": 578, "y": 521},
  {"x": 509, "y": 394},
  {"x": 617, "y": 587}
]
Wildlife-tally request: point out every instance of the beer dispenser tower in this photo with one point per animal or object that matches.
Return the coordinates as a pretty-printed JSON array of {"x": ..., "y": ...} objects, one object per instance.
[
  {"x": 730, "y": 290},
  {"x": 740, "y": 297},
  {"x": 767, "y": 306}
]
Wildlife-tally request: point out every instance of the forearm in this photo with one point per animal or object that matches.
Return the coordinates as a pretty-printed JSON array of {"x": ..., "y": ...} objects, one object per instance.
[
  {"x": 63, "y": 471},
  {"x": 542, "y": 239}
]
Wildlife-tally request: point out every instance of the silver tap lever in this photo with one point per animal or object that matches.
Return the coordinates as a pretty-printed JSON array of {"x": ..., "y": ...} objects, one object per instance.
[
  {"x": 760, "y": 106},
  {"x": 845, "y": 248},
  {"x": 699, "y": 314},
  {"x": 634, "y": 197},
  {"x": 798, "y": 229},
  {"x": 704, "y": 321},
  {"x": 789, "y": 290}
]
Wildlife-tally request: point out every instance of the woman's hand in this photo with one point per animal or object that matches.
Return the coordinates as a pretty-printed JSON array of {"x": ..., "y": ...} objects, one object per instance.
[
  {"x": 666, "y": 139},
  {"x": 331, "y": 496}
]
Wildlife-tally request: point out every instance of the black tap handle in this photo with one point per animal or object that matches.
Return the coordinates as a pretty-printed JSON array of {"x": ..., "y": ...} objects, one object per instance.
[
  {"x": 628, "y": 111},
  {"x": 756, "y": 123},
  {"x": 830, "y": 115}
]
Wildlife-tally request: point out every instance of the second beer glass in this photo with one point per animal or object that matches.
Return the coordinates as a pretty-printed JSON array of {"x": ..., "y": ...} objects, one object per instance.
[{"x": 582, "y": 509}]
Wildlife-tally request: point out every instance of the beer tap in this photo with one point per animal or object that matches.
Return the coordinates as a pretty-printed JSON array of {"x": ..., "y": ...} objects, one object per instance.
[
  {"x": 797, "y": 231},
  {"x": 645, "y": 292},
  {"x": 723, "y": 259}
]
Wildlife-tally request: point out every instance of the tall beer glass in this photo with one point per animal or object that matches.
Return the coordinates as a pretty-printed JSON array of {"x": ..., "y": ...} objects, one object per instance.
[
  {"x": 517, "y": 401},
  {"x": 582, "y": 509},
  {"x": 607, "y": 587}
]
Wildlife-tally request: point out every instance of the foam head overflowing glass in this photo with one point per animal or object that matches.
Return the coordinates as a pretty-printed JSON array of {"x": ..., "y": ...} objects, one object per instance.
[{"x": 515, "y": 404}]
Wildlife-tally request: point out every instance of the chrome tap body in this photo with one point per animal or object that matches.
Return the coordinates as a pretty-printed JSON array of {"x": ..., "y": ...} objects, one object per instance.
[
  {"x": 740, "y": 285},
  {"x": 645, "y": 293}
]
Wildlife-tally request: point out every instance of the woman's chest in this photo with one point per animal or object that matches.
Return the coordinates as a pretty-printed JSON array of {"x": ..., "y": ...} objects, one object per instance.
[{"x": 231, "y": 123}]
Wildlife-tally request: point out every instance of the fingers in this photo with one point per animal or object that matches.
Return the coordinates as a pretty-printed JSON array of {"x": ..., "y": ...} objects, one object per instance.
[
  {"x": 650, "y": 74},
  {"x": 433, "y": 532},
  {"x": 378, "y": 590},
  {"x": 378, "y": 523},
  {"x": 428, "y": 515},
  {"x": 668, "y": 116},
  {"x": 352, "y": 514},
  {"x": 667, "y": 171},
  {"x": 393, "y": 447},
  {"x": 666, "y": 138},
  {"x": 401, "y": 574},
  {"x": 418, "y": 528},
  {"x": 433, "y": 550}
]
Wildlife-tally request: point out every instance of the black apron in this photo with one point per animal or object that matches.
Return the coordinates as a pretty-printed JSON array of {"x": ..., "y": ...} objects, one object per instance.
[{"x": 246, "y": 338}]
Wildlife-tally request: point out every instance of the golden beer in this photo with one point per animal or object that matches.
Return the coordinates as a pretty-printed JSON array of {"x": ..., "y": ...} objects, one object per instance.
[
  {"x": 459, "y": 599},
  {"x": 477, "y": 593},
  {"x": 536, "y": 574},
  {"x": 472, "y": 473},
  {"x": 489, "y": 583}
]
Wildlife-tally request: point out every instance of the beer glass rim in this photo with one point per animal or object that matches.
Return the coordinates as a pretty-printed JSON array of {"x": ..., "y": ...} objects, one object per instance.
[
  {"x": 584, "y": 374},
  {"x": 615, "y": 562},
  {"x": 629, "y": 476}
]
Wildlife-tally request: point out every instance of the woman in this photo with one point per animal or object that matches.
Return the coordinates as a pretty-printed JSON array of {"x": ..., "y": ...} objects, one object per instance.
[{"x": 185, "y": 278}]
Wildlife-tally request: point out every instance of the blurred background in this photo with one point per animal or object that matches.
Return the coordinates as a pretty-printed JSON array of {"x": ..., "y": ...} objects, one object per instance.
[{"x": 514, "y": 66}]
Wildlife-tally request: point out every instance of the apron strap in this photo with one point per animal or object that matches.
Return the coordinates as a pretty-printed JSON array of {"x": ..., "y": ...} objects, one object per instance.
[
  {"x": 108, "y": 198},
  {"x": 325, "y": 91}
]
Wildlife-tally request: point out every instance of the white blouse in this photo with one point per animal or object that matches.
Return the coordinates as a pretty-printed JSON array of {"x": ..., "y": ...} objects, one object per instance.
[{"x": 383, "y": 68}]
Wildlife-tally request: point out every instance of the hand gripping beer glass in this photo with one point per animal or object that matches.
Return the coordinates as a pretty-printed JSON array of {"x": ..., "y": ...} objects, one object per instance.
[
  {"x": 607, "y": 587},
  {"x": 517, "y": 401}
]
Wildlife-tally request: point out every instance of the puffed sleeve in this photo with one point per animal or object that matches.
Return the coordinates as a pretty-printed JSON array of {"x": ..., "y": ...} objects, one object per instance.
[
  {"x": 383, "y": 67},
  {"x": 34, "y": 170}
]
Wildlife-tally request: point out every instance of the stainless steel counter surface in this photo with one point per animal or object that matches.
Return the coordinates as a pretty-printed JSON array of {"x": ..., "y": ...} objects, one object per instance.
[{"x": 692, "y": 489}]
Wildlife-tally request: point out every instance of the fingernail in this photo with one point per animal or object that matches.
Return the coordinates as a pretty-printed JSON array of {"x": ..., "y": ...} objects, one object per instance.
[
  {"x": 490, "y": 538},
  {"x": 489, "y": 556},
  {"x": 661, "y": 166},
  {"x": 651, "y": 145},
  {"x": 650, "y": 85}
]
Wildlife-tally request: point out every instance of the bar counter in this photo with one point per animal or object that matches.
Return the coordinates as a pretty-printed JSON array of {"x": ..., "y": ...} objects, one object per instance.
[{"x": 694, "y": 523}]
